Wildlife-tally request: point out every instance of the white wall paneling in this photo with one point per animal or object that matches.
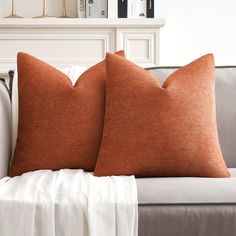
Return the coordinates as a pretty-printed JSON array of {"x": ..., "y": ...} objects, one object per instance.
[
  {"x": 63, "y": 42},
  {"x": 140, "y": 45}
]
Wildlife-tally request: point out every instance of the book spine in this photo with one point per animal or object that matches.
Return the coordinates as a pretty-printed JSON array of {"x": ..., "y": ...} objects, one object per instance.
[
  {"x": 96, "y": 8},
  {"x": 137, "y": 8},
  {"x": 130, "y": 4},
  {"x": 150, "y": 9},
  {"x": 140, "y": 8},
  {"x": 81, "y": 8},
  {"x": 122, "y": 8},
  {"x": 112, "y": 8}
]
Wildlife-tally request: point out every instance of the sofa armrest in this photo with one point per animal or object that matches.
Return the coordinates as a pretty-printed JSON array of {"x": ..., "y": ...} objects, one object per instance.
[{"x": 5, "y": 129}]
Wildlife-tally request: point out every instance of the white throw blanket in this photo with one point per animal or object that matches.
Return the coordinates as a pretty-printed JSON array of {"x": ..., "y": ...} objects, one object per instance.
[{"x": 68, "y": 203}]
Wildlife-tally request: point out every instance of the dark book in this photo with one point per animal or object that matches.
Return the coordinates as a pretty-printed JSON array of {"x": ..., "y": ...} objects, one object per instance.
[
  {"x": 150, "y": 8},
  {"x": 122, "y": 8}
]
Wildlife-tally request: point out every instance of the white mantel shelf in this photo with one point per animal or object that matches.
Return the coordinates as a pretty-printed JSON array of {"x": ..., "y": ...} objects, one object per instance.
[
  {"x": 76, "y": 41},
  {"x": 80, "y": 22}
]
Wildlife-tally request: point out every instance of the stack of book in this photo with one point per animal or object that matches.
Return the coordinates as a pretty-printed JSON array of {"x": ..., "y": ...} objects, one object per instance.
[{"x": 116, "y": 8}]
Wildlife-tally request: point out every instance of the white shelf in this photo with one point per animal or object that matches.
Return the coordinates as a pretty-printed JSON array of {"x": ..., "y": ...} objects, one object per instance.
[
  {"x": 77, "y": 41},
  {"x": 80, "y": 22}
]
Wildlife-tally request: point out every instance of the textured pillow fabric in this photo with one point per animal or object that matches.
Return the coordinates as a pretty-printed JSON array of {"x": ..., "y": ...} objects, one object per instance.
[
  {"x": 60, "y": 125},
  {"x": 154, "y": 130},
  {"x": 73, "y": 72}
]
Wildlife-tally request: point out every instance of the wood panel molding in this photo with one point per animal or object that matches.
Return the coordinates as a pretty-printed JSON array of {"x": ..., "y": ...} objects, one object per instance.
[{"x": 64, "y": 42}]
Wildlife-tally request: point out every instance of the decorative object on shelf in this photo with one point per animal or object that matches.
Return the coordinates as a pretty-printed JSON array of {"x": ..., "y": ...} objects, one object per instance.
[
  {"x": 112, "y": 9},
  {"x": 81, "y": 8},
  {"x": 63, "y": 5},
  {"x": 122, "y": 8},
  {"x": 96, "y": 9},
  {"x": 137, "y": 8},
  {"x": 13, "y": 11},
  {"x": 99, "y": 9},
  {"x": 44, "y": 15},
  {"x": 150, "y": 9}
]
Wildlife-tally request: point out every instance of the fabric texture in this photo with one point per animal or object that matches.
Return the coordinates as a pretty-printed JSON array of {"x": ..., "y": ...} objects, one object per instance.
[
  {"x": 154, "y": 130},
  {"x": 60, "y": 125},
  {"x": 73, "y": 73},
  {"x": 189, "y": 220},
  {"x": 225, "y": 84},
  {"x": 68, "y": 202},
  {"x": 187, "y": 190}
]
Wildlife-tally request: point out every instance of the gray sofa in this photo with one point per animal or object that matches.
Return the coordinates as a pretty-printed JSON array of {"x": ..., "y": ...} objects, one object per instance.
[{"x": 175, "y": 206}]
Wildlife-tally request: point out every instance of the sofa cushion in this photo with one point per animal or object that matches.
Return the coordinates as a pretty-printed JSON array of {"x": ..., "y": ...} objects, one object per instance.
[
  {"x": 225, "y": 107},
  {"x": 60, "y": 125},
  {"x": 187, "y": 220},
  {"x": 187, "y": 206},
  {"x": 187, "y": 190},
  {"x": 154, "y": 130}
]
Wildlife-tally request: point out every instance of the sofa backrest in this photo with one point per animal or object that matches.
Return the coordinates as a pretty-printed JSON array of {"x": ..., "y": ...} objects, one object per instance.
[
  {"x": 225, "y": 107},
  {"x": 5, "y": 129}
]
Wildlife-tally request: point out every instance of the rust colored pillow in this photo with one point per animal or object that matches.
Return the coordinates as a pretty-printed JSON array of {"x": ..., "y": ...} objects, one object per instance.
[
  {"x": 60, "y": 125},
  {"x": 154, "y": 130}
]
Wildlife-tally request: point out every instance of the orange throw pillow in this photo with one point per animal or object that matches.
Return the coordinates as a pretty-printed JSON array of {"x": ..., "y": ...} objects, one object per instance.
[
  {"x": 60, "y": 125},
  {"x": 154, "y": 130}
]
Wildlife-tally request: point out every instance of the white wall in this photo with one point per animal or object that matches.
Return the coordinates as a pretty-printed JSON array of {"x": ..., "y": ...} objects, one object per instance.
[
  {"x": 193, "y": 27},
  {"x": 197, "y": 27}
]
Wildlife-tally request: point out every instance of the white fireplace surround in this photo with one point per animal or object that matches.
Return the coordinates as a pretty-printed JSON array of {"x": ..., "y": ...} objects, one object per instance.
[{"x": 64, "y": 42}]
